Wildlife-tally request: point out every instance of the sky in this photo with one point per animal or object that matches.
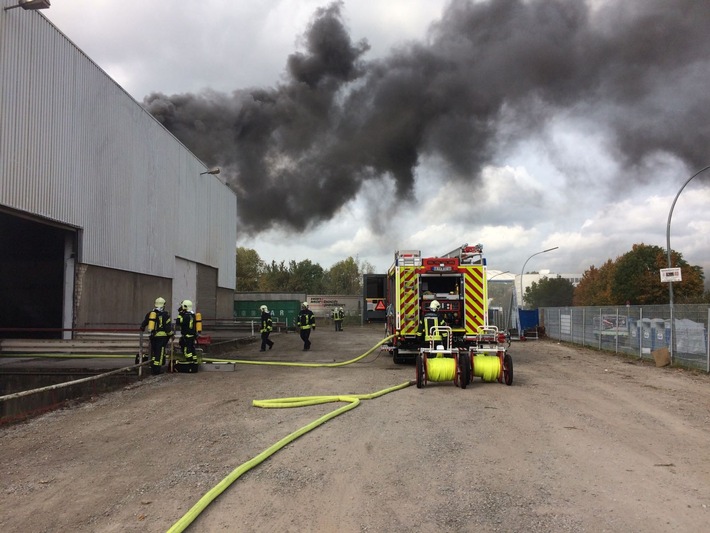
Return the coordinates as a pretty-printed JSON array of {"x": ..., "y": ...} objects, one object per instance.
[{"x": 357, "y": 128}]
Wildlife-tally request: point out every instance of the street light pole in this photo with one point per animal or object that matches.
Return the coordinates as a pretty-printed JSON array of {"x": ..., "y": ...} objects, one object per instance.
[
  {"x": 523, "y": 270},
  {"x": 668, "y": 253}
]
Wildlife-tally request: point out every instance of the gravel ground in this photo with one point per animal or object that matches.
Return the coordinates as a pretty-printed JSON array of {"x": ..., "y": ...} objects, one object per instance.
[{"x": 582, "y": 441}]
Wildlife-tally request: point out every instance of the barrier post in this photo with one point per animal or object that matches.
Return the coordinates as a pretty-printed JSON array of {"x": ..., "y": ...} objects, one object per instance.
[{"x": 140, "y": 353}]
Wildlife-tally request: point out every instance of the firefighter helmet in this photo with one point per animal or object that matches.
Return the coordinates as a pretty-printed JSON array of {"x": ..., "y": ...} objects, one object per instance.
[
  {"x": 187, "y": 305},
  {"x": 305, "y": 305},
  {"x": 264, "y": 309},
  {"x": 434, "y": 305},
  {"x": 159, "y": 301}
]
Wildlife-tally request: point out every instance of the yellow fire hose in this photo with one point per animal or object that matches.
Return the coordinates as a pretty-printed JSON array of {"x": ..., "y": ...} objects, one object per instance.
[
  {"x": 441, "y": 368},
  {"x": 487, "y": 367},
  {"x": 351, "y": 400},
  {"x": 309, "y": 365}
]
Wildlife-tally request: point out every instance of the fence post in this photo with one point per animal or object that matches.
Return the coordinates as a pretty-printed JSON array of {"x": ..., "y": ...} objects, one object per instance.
[
  {"x": 707, "y": 345},
  {"x": 600, "y": 328},
  {"x": 584, "y": 326},
  {"x": 639, "y": 332}
]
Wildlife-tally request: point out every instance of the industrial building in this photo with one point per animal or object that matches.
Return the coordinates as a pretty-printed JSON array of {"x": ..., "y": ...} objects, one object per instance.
[{"x": 101, "y": 208}]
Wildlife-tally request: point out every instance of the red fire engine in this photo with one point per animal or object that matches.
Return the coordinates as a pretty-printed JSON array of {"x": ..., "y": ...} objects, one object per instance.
[{"x": 458, "y": 282}]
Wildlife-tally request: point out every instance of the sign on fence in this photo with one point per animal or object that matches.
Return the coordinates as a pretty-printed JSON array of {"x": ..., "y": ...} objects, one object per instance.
[{"x": 671, "y": 274}]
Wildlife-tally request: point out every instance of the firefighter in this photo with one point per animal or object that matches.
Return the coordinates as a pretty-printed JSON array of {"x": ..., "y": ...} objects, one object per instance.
[
  {"x": 305, "y": 323},
  {"x": 160, "y": 329},
  {"x": 341, "y": 316},
  {"x": 430, "y": 319},
  {"x": 187, "y": 323},
  {"x": 266, "y": 326},
  {"x": 338, "y": 318}
]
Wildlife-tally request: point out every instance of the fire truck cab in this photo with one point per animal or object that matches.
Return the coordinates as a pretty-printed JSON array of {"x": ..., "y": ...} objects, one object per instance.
[{"x": 457, "y": 281}]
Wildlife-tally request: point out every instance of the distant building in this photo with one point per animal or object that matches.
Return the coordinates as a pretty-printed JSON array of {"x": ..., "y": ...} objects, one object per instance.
[{"x": 529, "y": 279}]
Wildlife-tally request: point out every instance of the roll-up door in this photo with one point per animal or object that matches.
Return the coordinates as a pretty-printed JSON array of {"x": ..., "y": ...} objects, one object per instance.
[{"x": 207, "y": 292}]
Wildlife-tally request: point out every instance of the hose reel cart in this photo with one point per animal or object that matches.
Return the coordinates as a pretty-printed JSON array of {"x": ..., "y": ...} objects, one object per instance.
[
  {"x": 489, "y": 357},
  {"x": 440, "y": 361}
]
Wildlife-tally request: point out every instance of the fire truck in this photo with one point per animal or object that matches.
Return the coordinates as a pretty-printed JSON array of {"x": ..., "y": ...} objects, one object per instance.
[{"x": 457, "y": 281}]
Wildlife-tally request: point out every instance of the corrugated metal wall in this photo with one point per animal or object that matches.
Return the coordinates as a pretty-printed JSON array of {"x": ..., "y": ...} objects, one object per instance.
[{"x": 77, "y": 149}]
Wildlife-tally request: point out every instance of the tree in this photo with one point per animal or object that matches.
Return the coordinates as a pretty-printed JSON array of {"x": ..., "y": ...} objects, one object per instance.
[
  {"x": 691, "y": 289},
  {"x": 249, "y": 269},
  {"x": 275, "y": 278},
  {"x": 594, "y": 289},
  {"x": 550, "y": 292},
  {"x": 344, "y": 277},
  {"x": 365, "y": 268},
  {"x": 637, "y": 280},
  {"x": 305, "y": 276},
  {"x": 634, "y": 277}
]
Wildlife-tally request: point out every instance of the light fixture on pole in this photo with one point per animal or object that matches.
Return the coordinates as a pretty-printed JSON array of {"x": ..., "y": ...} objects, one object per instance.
[
  {"x": 523, "y": 271},
  {"x": 213, "y": 171},
  {"x": 499, "y": 274},
  {"x": 668, "y": 253},
  {"x": 30, "y": 5}
]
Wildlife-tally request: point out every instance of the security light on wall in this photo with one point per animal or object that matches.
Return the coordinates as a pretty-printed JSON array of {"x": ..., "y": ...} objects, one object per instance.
[
  {"x": 31, "y": 4},
  {"x": 214, "y": 172}
]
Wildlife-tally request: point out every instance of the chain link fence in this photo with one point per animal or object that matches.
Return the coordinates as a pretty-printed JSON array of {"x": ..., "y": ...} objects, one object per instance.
[{"x": 635, "y": 330}]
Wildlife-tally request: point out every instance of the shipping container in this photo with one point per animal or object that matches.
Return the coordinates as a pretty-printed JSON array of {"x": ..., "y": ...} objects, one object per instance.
[{"x": 282, "y": 311}]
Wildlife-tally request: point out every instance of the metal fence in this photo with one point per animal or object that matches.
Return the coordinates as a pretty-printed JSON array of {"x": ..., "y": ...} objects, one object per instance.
[{"x": 635, "y": 330}]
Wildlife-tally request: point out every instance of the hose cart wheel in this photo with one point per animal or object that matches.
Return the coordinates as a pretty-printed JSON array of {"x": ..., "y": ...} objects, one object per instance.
[
  {"x": 508, "y": 369},
  {"x": 421, "y": 378},
  {"x": 464, "y": 370}
]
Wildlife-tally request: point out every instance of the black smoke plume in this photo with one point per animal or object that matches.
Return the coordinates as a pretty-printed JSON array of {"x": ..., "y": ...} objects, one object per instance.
[{"x": 490, "y": 72}]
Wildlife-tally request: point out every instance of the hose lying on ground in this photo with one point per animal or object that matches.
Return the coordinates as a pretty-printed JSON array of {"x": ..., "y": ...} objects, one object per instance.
[
  {"x": 351, "y": 400},
  {"x": 310, "y": 365}
]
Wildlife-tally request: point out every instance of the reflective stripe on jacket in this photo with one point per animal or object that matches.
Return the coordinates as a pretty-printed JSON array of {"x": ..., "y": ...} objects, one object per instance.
[
  {"x": 267, "y": 323},
  {"x": 306, "y": 319}
]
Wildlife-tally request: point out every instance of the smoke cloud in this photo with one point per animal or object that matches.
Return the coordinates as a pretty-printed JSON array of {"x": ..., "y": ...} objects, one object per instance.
[{"x": 490, "y": 73}]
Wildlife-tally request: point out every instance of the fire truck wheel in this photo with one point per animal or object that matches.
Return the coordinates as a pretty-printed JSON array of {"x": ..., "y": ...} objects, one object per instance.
[
  {"x": 420, "y": 370},
  {"x": 508, "y": 369},
  {"x": 464, "y": 370}
]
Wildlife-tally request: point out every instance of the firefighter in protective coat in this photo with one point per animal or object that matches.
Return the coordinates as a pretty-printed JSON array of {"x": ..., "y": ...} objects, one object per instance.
[
  {"x": 159, "y": 326},
  {"x": 187, "y": 323},
  {"x": 306, "y": 322},
  {"x": 338, "y": 318},
  {"x": 430, "y": 319},
  {"x": 267, "y": 325}
]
